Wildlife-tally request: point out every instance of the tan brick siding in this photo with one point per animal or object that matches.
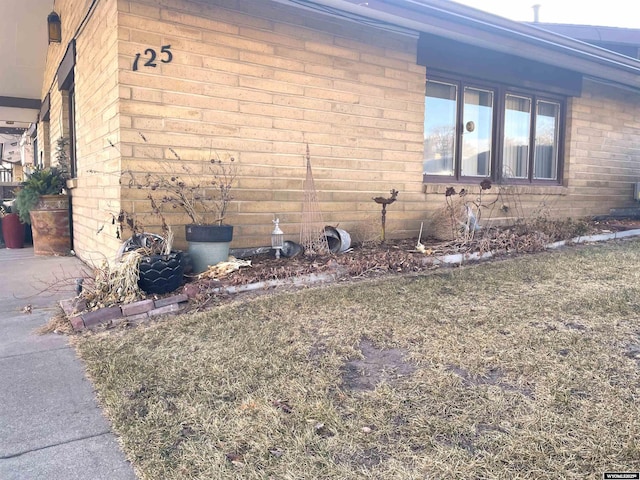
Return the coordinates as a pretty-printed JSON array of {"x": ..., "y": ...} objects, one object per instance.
[
  {"x": 260, "y": 81},
  {"x": 604, "y": 149},
  {"x": 261, "y": 86},
  {"x": 96, "y": 195}
]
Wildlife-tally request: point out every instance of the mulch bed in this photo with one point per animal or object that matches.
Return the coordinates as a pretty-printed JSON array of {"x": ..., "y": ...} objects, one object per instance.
[{"x": 400, "y": 256}]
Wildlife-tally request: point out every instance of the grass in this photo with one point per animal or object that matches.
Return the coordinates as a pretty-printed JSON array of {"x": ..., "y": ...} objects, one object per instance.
[{"x": 518, "y": 369}]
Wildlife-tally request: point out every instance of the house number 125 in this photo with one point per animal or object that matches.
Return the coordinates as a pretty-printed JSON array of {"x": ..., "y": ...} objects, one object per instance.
[{"x": 152, "y": 55}]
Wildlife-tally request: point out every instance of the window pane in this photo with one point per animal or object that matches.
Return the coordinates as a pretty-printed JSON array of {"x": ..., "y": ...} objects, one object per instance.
[
  {"x": 545, "y": 163},
  {"x": 440, "y": 128},
  {"x": 517, "y": 130},
  {"x": 478, "y": 130}
]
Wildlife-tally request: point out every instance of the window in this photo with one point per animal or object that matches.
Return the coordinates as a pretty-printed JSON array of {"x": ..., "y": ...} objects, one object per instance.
[
  {"x": 546, "y": 155},
  {"x": 517, "y": 128},
  {"x": 73, "y": 162},
  {"x": 66, "y": 85},
  {"x": 474, "y": 130},
  {"x": 440, "y": 128}
]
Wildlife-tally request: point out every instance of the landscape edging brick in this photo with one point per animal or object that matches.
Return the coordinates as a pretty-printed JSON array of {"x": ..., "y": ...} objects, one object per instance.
[{"x": 132, "y": 312}]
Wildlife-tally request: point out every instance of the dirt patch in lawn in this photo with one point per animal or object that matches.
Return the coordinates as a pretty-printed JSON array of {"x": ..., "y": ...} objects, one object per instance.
[
  {"x": 376, "y": 366},
  {"x": 493, "y": 377}
]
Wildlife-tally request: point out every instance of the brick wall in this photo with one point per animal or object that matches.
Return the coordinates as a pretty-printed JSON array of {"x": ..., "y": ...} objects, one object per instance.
[
  {"x": 260, "y": 81},
  {"x": 604, "y": 149},
  {"x": 262, "y": 85},
  {"x": 95, "y": 193}
]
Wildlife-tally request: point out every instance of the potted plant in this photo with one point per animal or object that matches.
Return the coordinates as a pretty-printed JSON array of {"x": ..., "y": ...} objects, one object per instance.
[
  {"x": 205, "y": 198},
  {"x": 41, "y": 201},
  {"x": 13, "y": 230},
  {"x": 158, "y": 267}
]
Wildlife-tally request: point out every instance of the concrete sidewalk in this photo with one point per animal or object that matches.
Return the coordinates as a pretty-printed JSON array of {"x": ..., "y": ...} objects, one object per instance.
[{"x": 50, "y": 424}]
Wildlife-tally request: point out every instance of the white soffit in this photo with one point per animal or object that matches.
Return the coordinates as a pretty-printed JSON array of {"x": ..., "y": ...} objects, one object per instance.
[{"x": 23, "y": 46}]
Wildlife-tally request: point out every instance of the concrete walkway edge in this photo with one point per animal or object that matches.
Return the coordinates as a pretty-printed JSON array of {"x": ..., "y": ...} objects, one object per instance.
[{"x": 51, "y": 426}]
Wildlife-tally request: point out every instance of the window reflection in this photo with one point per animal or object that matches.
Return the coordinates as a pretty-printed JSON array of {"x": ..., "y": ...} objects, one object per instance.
[
  {"x": 546, "y": 153},
  {"x": 440, "y": 128},
  {"x": 517, "y": 128},
  {"x": 476, "y": 144}
]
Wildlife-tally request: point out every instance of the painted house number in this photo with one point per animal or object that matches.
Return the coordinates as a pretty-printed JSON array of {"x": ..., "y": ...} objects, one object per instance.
[{"x": 151, "y": 55}]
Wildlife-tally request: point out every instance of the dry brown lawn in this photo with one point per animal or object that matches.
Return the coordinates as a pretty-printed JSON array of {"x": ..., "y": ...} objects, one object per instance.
[{"x": 526, "y": 368}]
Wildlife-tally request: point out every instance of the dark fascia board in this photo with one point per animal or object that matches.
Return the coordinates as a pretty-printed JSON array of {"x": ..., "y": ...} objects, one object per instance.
[
  {"x": 468, "y": 25},
  {"x": 437, "y": 53},
  {"x": 11, "y": 131},
  {"x": 17, "y": 102},
  {"x": 45, "y": 108},
  {"x": 65, "y": 70}
]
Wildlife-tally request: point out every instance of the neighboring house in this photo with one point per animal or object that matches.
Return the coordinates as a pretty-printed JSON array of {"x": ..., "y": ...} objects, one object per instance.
[
  {"x": 412, "y": 95},
  {"x": 10, "y": 159}
]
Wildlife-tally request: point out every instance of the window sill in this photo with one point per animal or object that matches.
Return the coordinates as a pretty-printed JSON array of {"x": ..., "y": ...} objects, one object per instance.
[{"x": 441, "y": 188}]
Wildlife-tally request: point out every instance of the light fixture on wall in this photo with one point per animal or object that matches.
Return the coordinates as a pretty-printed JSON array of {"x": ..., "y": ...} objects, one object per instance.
[{"x": 55, "y": 28}]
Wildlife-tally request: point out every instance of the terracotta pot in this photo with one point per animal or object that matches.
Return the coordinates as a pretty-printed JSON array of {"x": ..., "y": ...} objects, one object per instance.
[
  {"x": 13, "y": 231},
  {"x": 50, "y": 225}
]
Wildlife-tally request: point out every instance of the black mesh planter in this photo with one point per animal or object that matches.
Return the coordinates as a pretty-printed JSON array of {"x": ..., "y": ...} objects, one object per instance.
[{"x": 161, "y": 273}]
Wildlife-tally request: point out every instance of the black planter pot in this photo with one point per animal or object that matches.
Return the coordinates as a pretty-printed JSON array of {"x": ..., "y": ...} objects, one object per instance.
[
  {"x": 161, "y": 273},
  {"x": 209, "y": 233},
  {"x": 208, "y": 244}
]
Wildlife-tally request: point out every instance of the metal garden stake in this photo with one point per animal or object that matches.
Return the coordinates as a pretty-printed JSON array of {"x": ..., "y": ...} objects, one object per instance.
[{"x": 384, "y": 202}]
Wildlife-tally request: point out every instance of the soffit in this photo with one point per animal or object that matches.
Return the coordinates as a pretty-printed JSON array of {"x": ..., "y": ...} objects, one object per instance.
[{"x": 23, "y": 49}]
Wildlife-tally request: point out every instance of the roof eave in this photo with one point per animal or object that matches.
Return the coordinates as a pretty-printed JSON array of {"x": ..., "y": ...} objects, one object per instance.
[{"x": 468, "y": 25}]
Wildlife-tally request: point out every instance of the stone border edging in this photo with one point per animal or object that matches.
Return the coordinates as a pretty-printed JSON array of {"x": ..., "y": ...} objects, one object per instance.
[{"x": 130, "y": 312}]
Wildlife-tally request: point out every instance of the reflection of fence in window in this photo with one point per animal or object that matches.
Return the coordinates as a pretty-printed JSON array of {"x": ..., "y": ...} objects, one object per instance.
[
  {"x": 439, "y": 150},
  {"x": 477, "y": 164},
  {"x": 546, "y": 151},
  {"x": 544, "y": 165},
  {"x": 516, "y": 160},
  {"x": 6, "y": 175}
]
